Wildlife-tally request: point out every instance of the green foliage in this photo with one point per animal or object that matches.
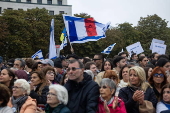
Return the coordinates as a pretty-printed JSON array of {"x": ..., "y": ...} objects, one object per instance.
[
  {"x": 25, "y": 32},
  {"x": 151, "y": 27}
]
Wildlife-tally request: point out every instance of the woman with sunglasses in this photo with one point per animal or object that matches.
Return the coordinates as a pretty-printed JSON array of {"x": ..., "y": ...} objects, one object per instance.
[
  {"x": 138, "y": 91},
  {"x": 39, "y": 87},
  {"x": 157, "y": 80},
  {"x": 107, "y": 101},
  {"x": 20, "y": 102},
  {"x": 164, "y": 105},
  {"x": 143, "y": 60},
  {"x": 57, "y": 99}
]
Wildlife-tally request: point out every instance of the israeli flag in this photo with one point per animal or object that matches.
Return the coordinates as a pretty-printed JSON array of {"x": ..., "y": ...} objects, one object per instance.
[
  {"x": 108, "y": 49},
  {"x": 52, "y": 47},
  {"x": 38, "y": 54},
  {"x": 81, "y": 30}
]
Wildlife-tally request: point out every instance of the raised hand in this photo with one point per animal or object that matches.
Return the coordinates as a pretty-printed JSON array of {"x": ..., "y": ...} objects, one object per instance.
[
  {"x": 106, "y": 107},
  {"x": 115, "y": 102}
]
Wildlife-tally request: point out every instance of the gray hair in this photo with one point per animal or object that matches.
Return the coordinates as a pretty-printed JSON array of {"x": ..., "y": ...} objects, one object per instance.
[
  {"x": 81, "y": 65},
  {"x": 61, "y": 92},
  {"x": 22, "y": 64},
  {"x": 24, "y": 84},
  {"x": 89, "y": 72},
  {"x": 108, "y": 82}
]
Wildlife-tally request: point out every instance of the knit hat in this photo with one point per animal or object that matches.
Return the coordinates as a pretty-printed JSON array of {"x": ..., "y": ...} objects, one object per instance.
[{"x": 21, "y": 74}]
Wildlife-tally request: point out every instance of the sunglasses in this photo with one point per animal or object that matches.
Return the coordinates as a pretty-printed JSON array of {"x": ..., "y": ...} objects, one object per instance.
[
  {"x": 72, "y": 68},
  {"x": 104, "y": 87},
  {"x": 157, "y": 74}
]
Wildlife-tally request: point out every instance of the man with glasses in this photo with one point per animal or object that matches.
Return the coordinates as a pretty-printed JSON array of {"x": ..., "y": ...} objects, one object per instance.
[
  {"x": 82, "y": 90},
  {"x": 98, "y": 59}
]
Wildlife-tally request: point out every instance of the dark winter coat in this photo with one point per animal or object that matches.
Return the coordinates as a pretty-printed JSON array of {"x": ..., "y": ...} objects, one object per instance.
[
  {"x": 41, "y": 99},
  {"x": 132, "y": 106},
  {"x": 83, "y": 96}
]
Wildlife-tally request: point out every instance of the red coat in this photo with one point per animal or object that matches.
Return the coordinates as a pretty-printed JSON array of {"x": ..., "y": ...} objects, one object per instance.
[{"x": 119, "y": 109}]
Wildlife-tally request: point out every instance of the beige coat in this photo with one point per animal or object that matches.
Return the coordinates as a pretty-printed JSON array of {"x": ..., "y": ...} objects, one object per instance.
[{"x": 28, "y": 107}]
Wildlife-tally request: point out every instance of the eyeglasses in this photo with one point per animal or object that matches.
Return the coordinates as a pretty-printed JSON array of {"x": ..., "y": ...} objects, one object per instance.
[
  {"x": 166, "y": 92},
  {"x": 51, "y": 94},
  {"x": 158, "y": 74},
  {"x": 16, "y": 87},
  {"x": 145, "y": 60},
  {"x": 50, "y": 73},
  {"x": 96, "y": 59},
  {"x": 72, "y": 68}
]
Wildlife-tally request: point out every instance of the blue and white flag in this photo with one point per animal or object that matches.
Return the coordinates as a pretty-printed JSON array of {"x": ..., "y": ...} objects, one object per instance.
[
  {"x": 63, "y": 44},
  {"x": 52, "y": 47},
  {"x": 81, "y": 30},
  {"x": 38, "y": 54},
  {"x": 108, "y": 49}
]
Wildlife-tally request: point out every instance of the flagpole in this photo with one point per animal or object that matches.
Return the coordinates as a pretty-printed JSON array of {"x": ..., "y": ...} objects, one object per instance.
[
  {"x": 72, "y": 50},
  {"x": 107, "y": 56}
]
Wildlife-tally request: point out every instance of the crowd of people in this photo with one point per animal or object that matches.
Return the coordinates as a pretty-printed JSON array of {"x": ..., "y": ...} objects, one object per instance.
[{"x": 74, "y": 84}]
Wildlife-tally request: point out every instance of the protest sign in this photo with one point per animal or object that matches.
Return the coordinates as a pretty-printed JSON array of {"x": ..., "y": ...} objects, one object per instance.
[
  {"x": 156, "y": 41},
  {"x": 159, "y": 48},
  {"x": 135, "y": 48}
]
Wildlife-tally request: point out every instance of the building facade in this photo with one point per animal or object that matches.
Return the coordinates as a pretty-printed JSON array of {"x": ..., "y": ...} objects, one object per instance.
[{"x": 53, "y": 6}]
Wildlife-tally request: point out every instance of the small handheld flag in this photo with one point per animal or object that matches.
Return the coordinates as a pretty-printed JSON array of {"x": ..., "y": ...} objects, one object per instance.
[
  {"x": 108, "y": 49},
  {"x": 63, "y": 34},
  {"x": 38, "y": 54}
]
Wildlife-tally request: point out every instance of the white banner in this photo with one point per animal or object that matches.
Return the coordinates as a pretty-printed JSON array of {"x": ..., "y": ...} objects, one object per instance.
[
  {"x": 135, "y": 48},
  {"x": 156, "y": 41},
  {"x": 159, "y": 48}
]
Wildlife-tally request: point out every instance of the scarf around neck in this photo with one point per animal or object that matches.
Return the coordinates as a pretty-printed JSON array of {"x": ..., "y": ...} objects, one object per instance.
[{"x": 18, "y": 102}]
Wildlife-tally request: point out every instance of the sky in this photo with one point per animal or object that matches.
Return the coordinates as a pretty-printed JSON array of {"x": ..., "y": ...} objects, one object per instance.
[{"x": 120, "y": 11}]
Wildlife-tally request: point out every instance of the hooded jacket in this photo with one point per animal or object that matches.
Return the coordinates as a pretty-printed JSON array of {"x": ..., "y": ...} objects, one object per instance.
[{"x": 83, "y": 96}]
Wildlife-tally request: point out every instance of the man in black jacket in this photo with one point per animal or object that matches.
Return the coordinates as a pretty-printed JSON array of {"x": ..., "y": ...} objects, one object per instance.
[{"x": 82, "y": 90}]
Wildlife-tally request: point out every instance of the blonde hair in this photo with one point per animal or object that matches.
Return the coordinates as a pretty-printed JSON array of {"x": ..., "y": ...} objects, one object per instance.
[{"x": 142, "y": 76}]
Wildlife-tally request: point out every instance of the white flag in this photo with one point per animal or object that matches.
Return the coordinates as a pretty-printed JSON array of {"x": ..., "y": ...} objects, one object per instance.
[
  {"x": 52, "y": 47},
  {"x": 38, "y": 54}
]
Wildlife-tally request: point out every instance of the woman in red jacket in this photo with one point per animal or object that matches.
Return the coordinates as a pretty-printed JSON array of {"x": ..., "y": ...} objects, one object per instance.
[{"x": 108, "y": 103}]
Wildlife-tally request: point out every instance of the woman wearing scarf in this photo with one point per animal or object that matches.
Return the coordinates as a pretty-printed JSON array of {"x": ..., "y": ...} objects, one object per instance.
[
  {"x": 20, "y": 102},
  {"x": 138, "y": 91},
  {"x": 164, "y": 105},
  {"x": 108, "y": 103}
]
